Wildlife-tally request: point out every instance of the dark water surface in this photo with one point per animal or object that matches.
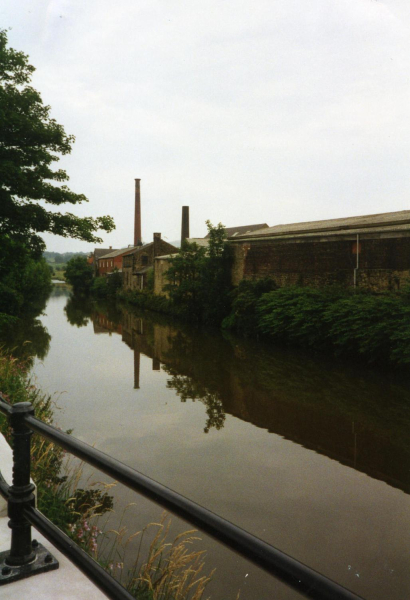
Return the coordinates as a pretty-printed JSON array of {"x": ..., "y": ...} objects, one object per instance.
[{"x": 311, "y": 455}]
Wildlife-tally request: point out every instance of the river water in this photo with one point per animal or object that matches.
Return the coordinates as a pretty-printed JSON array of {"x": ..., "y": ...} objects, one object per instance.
[{"x": 309, "y": 454}]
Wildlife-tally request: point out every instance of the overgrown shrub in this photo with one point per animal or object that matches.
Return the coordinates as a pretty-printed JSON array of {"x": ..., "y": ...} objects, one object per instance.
[
  {"x": 295, "y": 315},
  {"x": 107, "y": 287},
  {"x": 99, "y": 287},
  {"x": 373, "y": 327},
  {"x": 243, "y": 317}
]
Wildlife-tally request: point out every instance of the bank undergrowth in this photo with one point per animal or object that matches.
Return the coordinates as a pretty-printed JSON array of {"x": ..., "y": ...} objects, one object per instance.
[
  {"x": 371, "y": 327},
  {"x": 162, "y": 571}
]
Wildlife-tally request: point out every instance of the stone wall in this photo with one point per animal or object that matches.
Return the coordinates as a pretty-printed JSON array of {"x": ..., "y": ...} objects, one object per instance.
[
  {"x": 142, "y": 258},
  {"x": 160, "y": 268},
  {"x": 384, "y": 263}
]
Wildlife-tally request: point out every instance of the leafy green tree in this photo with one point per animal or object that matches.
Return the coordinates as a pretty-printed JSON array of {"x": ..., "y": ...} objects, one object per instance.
[
  {"x": 216, "y": 276},
  {"x": 199, "y": 278},
  {"x": 185, "y": 279},
  {"x": 30, "y": 142},
  {"x": 25, "y": 282},
  {"x": 79, "y": 274}
]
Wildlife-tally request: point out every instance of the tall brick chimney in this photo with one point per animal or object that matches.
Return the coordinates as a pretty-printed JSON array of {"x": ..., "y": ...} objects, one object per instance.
[
  {"x": 185, "y": 223},
  {"x": 137, "y": 220},
  {"x": 157, "y": 244}
]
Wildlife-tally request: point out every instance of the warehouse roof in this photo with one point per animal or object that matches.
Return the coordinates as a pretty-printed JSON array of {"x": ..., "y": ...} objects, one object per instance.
[{"x": 394, "y": 221}]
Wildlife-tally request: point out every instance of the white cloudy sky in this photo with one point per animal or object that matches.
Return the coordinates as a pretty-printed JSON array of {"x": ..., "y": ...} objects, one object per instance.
[{"x": 248, "y": 111}]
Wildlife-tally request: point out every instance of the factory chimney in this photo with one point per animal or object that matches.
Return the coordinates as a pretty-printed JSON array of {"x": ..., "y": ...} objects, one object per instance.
[
  {"x": 137, "y": 220},
  {"x": 185, "y": 223}
]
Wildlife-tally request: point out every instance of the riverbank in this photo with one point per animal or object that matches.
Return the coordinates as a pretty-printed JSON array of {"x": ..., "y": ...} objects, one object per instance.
[{"x": 372, "y": 328}]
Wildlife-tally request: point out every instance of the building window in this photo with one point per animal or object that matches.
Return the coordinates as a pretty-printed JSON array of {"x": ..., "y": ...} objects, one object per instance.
[
  {"x": 144, "y": 260},
  {"x": 354, "y": 248}
]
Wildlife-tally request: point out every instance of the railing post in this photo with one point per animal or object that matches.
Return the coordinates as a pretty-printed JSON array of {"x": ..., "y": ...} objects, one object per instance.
[
  {"x": 21, "y": 492},
  {"x": 25, "y": 557}
]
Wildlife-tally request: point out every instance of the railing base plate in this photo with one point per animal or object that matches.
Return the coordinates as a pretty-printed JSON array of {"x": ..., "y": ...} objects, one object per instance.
[{"x": 43, "y": 562}]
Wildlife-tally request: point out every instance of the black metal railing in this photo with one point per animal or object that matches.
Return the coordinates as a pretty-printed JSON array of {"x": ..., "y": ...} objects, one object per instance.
[{"x": 27, "y": 557}]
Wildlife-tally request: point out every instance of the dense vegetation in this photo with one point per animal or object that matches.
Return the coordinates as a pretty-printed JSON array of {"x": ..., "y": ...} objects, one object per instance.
[
  {"x": 57, "y": 262},
  {"x": 79, "y": 274},
  {"x": 371, "y": 327},
  {"x": 25, "y": 282},
  {"x": 198, "y": 282}
]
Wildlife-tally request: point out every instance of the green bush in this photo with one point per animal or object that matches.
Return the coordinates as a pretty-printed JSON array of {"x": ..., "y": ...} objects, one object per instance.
[
  {"x": 243, "y": 317},
  {"x": 79, "y": 274},
  {"x": 99, "y": 287},
  {"x": 372, "y": 327},
  {"x": 295, "y": 315},
  {"x": 148, "y": 301}
]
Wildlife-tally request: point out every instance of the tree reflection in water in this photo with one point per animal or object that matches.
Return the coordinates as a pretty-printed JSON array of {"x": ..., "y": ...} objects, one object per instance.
[
  {"x": 27, "y": 338},
  {"x": 188, "y": 389},
  {"x": 78, "y": 310}
]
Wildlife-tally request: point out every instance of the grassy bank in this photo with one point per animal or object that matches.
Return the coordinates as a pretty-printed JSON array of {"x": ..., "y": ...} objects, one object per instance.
[{"x": 164, "y": 571}]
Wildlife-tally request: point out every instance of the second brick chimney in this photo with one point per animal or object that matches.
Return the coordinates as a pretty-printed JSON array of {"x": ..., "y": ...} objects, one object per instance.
[{"x": 157, "y": 244}]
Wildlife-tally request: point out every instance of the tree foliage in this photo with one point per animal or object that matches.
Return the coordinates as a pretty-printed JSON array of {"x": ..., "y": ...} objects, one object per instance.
[
  {"x": 199, "y": 278},
  {"x": 79, "y": 274},
  {"x": 373, "y": 327},
  {"x": 25, "y": 282},
  {"x": 30, "y": 142},
  {"x": 243, "y": 317}
]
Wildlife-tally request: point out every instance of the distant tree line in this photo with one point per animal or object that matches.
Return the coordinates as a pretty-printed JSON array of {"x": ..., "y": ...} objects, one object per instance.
[{"x": 61, "y": 258}]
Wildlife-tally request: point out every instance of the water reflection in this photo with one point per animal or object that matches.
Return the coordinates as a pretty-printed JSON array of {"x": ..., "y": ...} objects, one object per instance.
[
  {"x": 27, "y": 338},
  {"x": 303, "y": 452},
  {"x": 351, "y": 415},
  {"x": 188, "y": 389}
]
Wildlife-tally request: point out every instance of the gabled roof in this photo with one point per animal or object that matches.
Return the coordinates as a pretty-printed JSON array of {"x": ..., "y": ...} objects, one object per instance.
[
  {"x": 394, "y": 221},
  {"x": 99, "y": 252},
  {"x": 241, "y": 229},
  {"x": 146, "y": 246},
  {"x": 115, "y": 253},
  {"x": 137, "y": 249}
]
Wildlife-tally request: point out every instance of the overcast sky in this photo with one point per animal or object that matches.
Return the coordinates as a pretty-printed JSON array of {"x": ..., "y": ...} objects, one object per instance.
[{"x": 248, "y": 111}]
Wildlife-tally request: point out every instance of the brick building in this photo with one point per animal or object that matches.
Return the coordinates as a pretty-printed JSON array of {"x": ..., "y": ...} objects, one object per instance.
[
  {"x": 108, "y": 263},
  {"x": 137, "y": 262},
  {"x": 370, "y": 251},
  {"x": 94, "y": 256}
]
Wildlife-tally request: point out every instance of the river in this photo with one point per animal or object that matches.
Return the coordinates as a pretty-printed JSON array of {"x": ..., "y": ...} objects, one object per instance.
[{"x": 307, "y": 453}]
